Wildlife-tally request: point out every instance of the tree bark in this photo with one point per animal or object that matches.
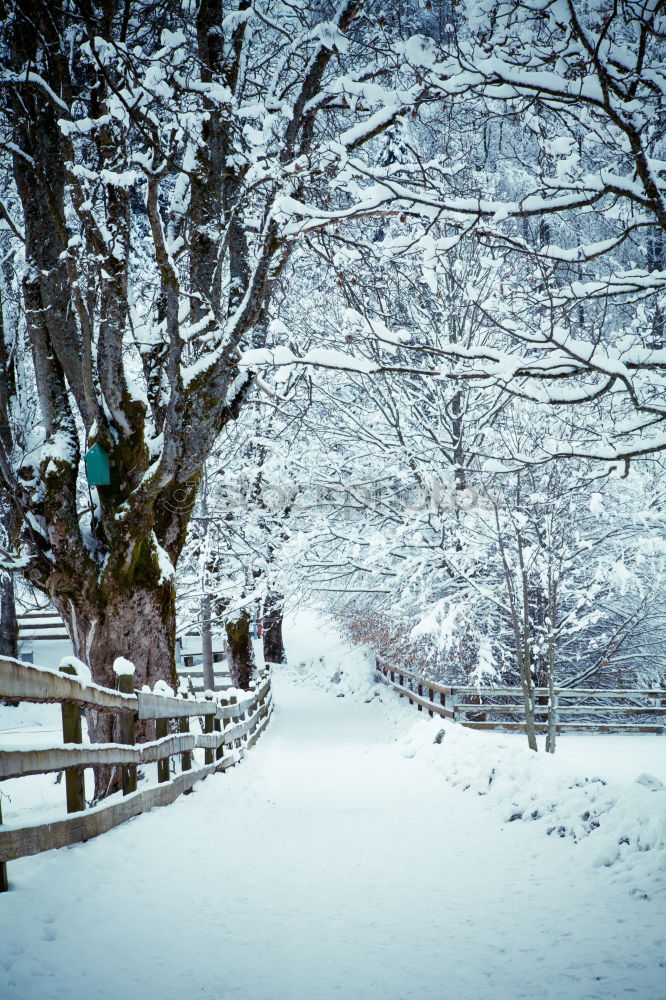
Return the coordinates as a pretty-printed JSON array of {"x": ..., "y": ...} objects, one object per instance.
[
  {"x": 8, "y": 623},
  {"x": 272, "y": 635},
  {"x": 207, "y": 645},
  {"x": 124, "y": 618},
  {"x": 241, "y": 653}
]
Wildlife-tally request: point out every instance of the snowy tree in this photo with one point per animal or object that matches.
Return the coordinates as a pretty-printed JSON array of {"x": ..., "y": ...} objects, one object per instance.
[
  {"x": 434, "y": 551},
  {"x": 155, "y": 150},
  {"x": 550, "y": 159}
]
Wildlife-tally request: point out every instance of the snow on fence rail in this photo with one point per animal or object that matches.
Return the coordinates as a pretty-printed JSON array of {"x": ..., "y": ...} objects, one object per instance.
[
  {"x": 230, "y": 725},
  {"x": 471, "y": 705}
]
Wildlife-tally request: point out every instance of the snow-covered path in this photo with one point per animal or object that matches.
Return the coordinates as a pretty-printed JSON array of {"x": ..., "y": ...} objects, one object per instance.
[{"x": 327, "y": 866}]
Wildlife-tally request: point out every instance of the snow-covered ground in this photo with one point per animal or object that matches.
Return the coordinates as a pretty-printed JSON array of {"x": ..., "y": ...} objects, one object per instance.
[{"x": 343, "y": 859}]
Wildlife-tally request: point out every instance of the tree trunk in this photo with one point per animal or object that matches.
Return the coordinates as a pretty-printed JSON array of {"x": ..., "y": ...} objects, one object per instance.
[
  {"x": 8, "y": 623},
  {"x": 241, "y": 654},
  {"x": 207, "y": 645},
  {"x": 138, "y": 623},
  {"x": 272, "y": 636}
]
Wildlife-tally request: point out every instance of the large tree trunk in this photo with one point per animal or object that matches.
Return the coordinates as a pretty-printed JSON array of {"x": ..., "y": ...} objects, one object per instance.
[
  {"x": 129, "y": 620},
  {"x": 8, "y": 624},
  {"x": 241, "y": 653},
  {"x": 273, "y": 643}
]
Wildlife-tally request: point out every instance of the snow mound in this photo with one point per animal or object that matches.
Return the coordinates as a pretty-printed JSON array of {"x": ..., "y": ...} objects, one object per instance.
[
  {"x": 614, "y": 823},
  {"x": 82, "y": 671},
  {"x": 123, "y": 667},
  {"x": 162, "y": 688}
]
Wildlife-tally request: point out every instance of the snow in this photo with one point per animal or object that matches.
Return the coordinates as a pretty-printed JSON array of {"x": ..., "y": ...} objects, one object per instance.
[
  {"x": 343, "y": 859},
  {"x": 330, "y": 36},
  {"x": 161, "y": 687},
  {"x": 166, "y": 567},
  {"x": 83, "y": 672},
  {"x": 73, "y": 661},
  {"x": 617, "y": 822},
  {"x": 123, "y": 667},
  {"x": 320, "y": 357}
]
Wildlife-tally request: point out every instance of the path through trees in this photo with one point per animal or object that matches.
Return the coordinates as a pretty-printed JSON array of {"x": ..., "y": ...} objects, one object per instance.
[{"x": 330, "y": 865}]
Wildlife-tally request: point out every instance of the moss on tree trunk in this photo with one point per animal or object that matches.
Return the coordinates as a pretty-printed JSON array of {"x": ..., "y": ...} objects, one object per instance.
[{"x": 241, "y": 654}]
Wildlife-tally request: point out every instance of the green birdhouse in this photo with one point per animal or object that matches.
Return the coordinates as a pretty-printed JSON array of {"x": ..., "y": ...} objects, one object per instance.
[{"x": 98, "y": 472}]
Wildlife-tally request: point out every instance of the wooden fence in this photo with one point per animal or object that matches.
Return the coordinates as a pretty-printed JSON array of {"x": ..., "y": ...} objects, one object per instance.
[
  {"x": 230, "y": 725},
  {"x": 576, "y": 709}
]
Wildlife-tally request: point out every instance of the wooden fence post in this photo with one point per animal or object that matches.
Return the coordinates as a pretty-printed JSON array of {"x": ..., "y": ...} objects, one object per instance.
[
  {"x": 241, "y": 718},
  {"x": 209, "y": 727},
  {"x": 219, "y": 753},
  {"x": 256, "y": 711},
  {"x": 126, "y": 732},
  {"x": 259, "y": 708},
  {"x": 233, "y": 699},
  {"x": 71, "y": 733},
  {"x": 184, "y": 727},
  {"x": 161, "y": 730},
  {"x": 4, "y": 883}
]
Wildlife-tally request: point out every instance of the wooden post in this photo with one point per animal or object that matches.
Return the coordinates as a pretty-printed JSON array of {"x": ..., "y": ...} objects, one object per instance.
[
  {"x": 126, "y": 733},
  {"x": 162, "y": 729},
  {"x": 261, "y": 707},
  {"x": 186, "y": 756},
  {"x": 209, "y": 726},
  {"x": 217, "y": 728},
  {"x": 453, "y": 705},
  {"x": 184, "y": 727},
  {"x": 419, "y": 691},
  {"x": 71, "y": 733},
  {"x": 233, "y": 699},
  {"x": 219, "y": 753},
  {"x": 254, "y": 710},
  {"x": 4, "y": 883}
]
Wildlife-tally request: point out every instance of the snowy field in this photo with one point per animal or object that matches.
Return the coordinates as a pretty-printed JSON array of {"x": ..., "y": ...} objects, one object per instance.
[{"x": 351, "y": 856}]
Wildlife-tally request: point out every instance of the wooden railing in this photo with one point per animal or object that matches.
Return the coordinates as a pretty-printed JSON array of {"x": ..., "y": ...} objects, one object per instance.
[
  {"x": 230, "y": 725},
  {"x": 576, "y": 709}
]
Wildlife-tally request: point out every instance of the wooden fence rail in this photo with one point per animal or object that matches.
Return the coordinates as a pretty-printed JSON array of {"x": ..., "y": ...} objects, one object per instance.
[
  {"x": 231, "y": 723},
  {"x": 471, "y": 706}
]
